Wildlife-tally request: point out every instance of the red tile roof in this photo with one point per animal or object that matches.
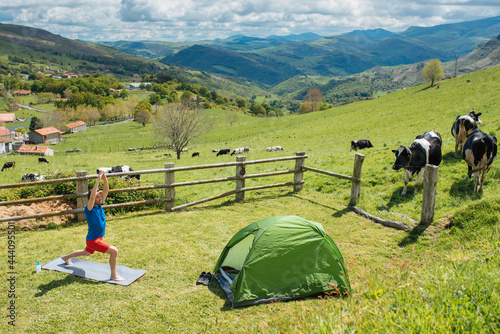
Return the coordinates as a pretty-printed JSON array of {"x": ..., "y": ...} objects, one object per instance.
[
  {"x": 10, "y": 117},
  {"x": 6, "y": 140},
  {"x": 33, "y": 149},
  {"x": 4, "y": 131},
  {"x": 74, "y": 125},
  {"x": 48, "y": 131}
]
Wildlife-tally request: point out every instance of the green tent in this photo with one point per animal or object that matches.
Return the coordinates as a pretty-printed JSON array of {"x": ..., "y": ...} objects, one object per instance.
[{"x": 280, "y": 258}]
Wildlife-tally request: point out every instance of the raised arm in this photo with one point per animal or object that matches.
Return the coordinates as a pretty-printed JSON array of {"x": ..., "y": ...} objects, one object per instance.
[
  {"x": 105, "y": 187},
  {"x": 94, "y": 190}
]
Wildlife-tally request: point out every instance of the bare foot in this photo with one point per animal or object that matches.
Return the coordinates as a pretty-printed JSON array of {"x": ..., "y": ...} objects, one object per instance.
[
  {"x": 66, "y": 260},
  {"x": 117, "y": 278}
]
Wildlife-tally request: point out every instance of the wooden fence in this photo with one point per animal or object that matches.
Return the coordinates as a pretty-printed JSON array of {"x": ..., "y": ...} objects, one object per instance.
[
  {"x": 170, "y": 185},
  {"x": 81, "y": 179}
]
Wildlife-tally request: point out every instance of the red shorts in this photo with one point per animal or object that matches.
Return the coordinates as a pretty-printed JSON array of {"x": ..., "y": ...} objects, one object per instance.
[{"x": 97, "y": 245}]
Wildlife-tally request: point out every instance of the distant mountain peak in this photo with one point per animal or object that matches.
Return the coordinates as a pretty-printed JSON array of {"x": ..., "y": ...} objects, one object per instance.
[
  {"x": 304, "y": 37},
  {"x": 371, "y": 33}
]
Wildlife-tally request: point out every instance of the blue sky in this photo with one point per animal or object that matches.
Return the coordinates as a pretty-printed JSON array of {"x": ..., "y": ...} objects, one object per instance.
[{"x": 190, "y": 20}]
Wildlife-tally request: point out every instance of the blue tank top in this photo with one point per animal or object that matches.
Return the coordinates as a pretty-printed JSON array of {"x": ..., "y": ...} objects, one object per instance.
[{"x": 96, "y": 220}]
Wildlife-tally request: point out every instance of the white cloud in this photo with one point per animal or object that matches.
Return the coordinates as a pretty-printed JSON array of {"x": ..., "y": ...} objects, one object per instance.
[{"x": 178, "y": 20}]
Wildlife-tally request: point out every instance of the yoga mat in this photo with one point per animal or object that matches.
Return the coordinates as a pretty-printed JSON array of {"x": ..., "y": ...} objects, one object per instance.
[{"x": 93, "y": 270}]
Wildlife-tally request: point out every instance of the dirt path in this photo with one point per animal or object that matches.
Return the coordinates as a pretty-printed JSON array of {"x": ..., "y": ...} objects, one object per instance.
[{"x": 36, "y": 208}]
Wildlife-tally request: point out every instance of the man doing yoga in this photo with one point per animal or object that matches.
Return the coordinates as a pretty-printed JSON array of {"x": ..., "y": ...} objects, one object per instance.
[{"x": 96, "y": 220}]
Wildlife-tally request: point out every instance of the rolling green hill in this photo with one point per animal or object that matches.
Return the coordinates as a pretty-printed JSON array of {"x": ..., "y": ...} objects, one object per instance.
[
  {"x": 42, "y": 47},
  {"x": 233, "y": 64},
  {"x": 38, "y": 50}
]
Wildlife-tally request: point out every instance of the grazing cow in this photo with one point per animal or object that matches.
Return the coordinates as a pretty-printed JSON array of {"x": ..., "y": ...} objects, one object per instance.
[
  {"x": 274, "y": 148},
  {"x": 223, "y": 152},
  {"x": 32, "y": 177},
  {"x": 195, "y": 154},
  {"x": 168, "y": 154},
  {"x": 240, "y": 150},
  {"x": 425, "y": 149},
  {"x": 10, "y": 164},
  {"x": 479, "y": 151},
  {"x": 461, "y": 128},
  {"x": 42, "y": 159},
  {"x": 184, "y": 149},
  {"x": 124, "y": 169},
  {"x": 360, "y": 144},
  {"x": 215, "y": 151}
]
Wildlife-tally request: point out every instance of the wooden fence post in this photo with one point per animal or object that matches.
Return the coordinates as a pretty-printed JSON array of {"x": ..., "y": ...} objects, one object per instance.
[
  {"x": 169, "y": 192},
  {"x": 240, "y": 181},
  {"x": 356, "y": 184},
  {"x": 429, "y": 194},
  {"x": 299, "y": 174},
  {"x": 82, "y": 186}
]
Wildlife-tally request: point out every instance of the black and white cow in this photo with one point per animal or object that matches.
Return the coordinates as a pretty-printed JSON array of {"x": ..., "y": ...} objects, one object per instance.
[
  {"x": 42, "y": 159},
  {"x": 240, "y": 150},
  {"x": 9, "y": 164},
  {"x": 30, "y": 177},
  {"x": 195, "y": 154},
  {"x": 425, "y": 149},
  {"x": 462, "y": 126},
  {"x": 274, "y": 148},
  {"x": 223, "y": 152},
  {"x": 124, "y": 169},
  {"x": 480, "y": 149},
  {"x": 360, "y": 144}
]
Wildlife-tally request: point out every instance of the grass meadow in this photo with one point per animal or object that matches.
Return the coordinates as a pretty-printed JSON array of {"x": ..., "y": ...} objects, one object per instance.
[{"x": 438, "y": 278}]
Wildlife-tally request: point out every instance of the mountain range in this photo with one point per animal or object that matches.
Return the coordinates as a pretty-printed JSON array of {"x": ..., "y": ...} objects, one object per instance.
[
  {"x": 357, "y": 64},
  {"x": 269, "y": 61}
]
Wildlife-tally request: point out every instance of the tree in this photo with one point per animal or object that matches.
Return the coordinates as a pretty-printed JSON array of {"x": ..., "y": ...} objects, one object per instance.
[
  {"x": 177, "y": 124},
  {"x": 232, "y": 117},
  {"x": 314, "y": 96},
  {"x": 305, "y": 107},
  {"x": 186, "y": 96},
  {"x": 56, "y": 119},
  {"x": 92, "y": 115},
  {"x": 142, "y": 117},
  {"x": 142, "y": 106},
  {"x": 154, "y": 98},
  {"x": 258, "y": 109},
  {"x": 35, "y": 124},
  {"x": 241, "y": 103},
  {"x": 433, "y": 71}
]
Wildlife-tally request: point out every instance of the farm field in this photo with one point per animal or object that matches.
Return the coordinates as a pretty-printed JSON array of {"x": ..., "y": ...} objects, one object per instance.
[{"x": 400, "y": 280}]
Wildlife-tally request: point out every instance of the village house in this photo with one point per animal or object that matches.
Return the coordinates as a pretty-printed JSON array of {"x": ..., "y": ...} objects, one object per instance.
[
  {"x": 76, "y": 127},
  {"x": 6, "y": 133},
  {"x": 5, "y": 145},
  {"x": 21, "y": 92},
  {"x": 36, "y": 150},
  {"x": 7, "y": 118},
  {"x": 46, "y": 135}
]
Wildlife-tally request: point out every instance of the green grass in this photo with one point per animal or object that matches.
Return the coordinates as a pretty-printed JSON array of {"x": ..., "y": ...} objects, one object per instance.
[{"x": 430, "y": 279}]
